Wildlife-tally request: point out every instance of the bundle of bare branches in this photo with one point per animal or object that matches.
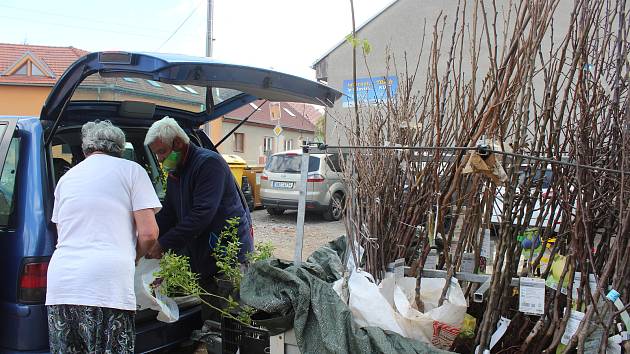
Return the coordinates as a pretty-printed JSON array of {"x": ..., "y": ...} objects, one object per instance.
[{"x": 553, "y": 109}]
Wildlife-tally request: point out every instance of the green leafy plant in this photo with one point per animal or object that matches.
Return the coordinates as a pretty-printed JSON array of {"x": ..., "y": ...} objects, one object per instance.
[
  {"x": 175, "y": 277},
  {"x": 262, "y": 251},
  {"x": 226, "y": 252},
  {"x": 356, "y": 42},
  {"x": 163, "y": 177}
]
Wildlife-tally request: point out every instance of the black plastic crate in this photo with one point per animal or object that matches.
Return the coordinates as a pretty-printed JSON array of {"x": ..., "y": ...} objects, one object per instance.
[{"x": 250, "y": 339}]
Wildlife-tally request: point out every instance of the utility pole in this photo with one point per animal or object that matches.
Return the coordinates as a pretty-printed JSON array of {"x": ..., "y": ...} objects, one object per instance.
[{"x": 209, "y": 31}]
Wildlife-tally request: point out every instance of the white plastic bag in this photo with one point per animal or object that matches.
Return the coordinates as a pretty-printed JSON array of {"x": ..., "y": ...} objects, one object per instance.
[
  {"x": 167, "y": 308},
  {"x": 368, "y": 306},
  {"x": 438, "y": 325}
]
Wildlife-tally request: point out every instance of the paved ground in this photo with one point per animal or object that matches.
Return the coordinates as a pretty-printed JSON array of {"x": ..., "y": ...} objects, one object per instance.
[{"x": 280, "y": 230}]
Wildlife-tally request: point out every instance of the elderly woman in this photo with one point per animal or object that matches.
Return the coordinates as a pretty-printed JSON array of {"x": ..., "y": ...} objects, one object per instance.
[{"x": 105, "y": 215}]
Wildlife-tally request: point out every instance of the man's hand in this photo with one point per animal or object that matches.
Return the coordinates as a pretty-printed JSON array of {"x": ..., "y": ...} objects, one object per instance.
[{"x": 155, "y": 251}]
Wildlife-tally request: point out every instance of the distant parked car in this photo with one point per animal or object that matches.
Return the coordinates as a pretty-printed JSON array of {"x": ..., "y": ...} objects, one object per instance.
[
  {"x": 325, "y": 191},
  {"x": 546, "y": 194}
]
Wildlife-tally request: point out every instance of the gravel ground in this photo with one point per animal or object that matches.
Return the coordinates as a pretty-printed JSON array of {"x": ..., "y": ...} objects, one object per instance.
[{"x": 280, "y": 230}]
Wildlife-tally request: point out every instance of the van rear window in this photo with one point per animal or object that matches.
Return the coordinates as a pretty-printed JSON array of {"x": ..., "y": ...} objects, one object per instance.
[
  {"x": 7, "y": 181},
  {"x": 290, "y": 164}
]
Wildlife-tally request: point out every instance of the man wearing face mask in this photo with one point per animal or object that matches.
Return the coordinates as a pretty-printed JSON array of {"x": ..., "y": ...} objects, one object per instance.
[{"x": 201, "y": 195}]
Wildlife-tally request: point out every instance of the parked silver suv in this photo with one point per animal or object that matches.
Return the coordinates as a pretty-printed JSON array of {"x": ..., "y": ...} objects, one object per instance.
[{"x": 280, "y": 183}]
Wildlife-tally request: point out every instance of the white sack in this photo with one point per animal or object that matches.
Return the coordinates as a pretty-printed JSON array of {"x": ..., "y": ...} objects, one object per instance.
[{"x": 167, "y": 308}]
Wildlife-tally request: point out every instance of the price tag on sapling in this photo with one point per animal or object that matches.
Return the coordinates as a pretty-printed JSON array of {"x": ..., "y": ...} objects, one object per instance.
[
  {"x": 431, "y": 261},
  {"x": 468, "y": 263},
  {"x": 532, "y": 296},
  {"x": 486, "y": 248},
  {"x": 572, "y": 326}
]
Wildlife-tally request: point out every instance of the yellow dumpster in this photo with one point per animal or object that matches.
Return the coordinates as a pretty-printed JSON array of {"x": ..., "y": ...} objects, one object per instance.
[
  {"x": 253, "y": 176},
  {"x": 237, "y": 166}
]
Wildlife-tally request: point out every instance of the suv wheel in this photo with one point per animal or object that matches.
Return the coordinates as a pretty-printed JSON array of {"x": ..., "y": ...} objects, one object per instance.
[
  {"x": 335, "y": 208},
  {"x": 275, "y": 211}
]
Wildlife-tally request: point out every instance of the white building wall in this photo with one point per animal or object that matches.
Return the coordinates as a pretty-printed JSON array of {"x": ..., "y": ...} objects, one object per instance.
[
  {"x": 254, "y": 139},
  {"x": 399, "y": 31}
]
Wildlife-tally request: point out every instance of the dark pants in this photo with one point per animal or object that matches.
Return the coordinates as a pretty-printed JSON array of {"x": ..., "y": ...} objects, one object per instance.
[{"x": 90, "y": 329}]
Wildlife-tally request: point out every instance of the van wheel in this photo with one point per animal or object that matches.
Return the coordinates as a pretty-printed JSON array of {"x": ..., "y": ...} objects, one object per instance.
[
  {"x": 275, "y": 211},
  {"x": 335, "y": 208}
]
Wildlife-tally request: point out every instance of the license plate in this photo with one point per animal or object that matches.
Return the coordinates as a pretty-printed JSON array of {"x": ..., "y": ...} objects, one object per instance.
[{"x": 282, "y": 185}]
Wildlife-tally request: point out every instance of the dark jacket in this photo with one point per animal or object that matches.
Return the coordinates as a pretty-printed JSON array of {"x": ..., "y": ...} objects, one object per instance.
[{"x": 200, "y": 195}]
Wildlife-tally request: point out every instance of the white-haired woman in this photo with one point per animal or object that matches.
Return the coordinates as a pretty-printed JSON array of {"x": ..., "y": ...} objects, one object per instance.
[{"x": 105, "y": 215}]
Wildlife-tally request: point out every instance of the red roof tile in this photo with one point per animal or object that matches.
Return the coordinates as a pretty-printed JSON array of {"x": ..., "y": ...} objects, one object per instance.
[
  {"x": 57, "y": 60},
  {"x": 309, "y": 111},
  {"x": 262, "y": 116}
]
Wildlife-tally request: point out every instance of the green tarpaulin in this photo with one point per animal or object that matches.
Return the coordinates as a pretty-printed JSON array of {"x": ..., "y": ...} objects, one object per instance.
[{"x": 322, "y": 322}]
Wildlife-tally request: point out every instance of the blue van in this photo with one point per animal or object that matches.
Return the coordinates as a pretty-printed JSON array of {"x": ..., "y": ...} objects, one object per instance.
[{"x": 132, "y": 90}]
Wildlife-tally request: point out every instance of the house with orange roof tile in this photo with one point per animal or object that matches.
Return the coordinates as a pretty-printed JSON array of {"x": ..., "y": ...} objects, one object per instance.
[
  {"x": 27, "y": 74},
  {"x": 256, "y": 139}
]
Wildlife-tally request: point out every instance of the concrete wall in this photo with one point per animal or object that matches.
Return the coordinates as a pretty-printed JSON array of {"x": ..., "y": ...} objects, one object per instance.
[
  {"x": 399, "y": 31},
  {"x": 254, "y": 139}
]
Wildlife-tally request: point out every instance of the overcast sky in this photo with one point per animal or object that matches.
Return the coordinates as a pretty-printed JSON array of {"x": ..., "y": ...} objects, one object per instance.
[{"x": 287, "y": 35}]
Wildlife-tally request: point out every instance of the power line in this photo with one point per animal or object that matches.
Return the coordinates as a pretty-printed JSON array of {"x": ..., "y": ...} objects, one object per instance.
[
  {"x": 178, "y": 27},
  {"x": 78, "y": 27},
  {"x": 92, "y": 20}
]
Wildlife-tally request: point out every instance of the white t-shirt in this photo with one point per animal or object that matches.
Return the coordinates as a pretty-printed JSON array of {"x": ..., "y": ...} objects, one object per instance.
[{"x": 93, "y": 264}]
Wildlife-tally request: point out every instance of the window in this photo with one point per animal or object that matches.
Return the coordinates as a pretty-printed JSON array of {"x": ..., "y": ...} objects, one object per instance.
[
  {"x": 62, "y": 159},
  {"x": 35, "y": 71},
  {"x": 288, "y": 111},
  {"x": 239, "y": 142},
  {"x": 288, "y": 144},
  {"x": 179, "y": 88},
  {"x": 128, "y": 79},
  {"x": 7, "y": 181},
  {"x": 154, "y": 83},
  {"x": 129, "y": 153},
  {"x": 268, "y": 144},
  {"x": 28, "y": 68},
  {"x": 191, "y": 90},
  {"x": 291, "y": 163},
  {"x": 23, "y": 70}
]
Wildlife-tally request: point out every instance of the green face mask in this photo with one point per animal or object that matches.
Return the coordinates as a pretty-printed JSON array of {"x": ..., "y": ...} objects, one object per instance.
[{"x": 171, "y": 161}]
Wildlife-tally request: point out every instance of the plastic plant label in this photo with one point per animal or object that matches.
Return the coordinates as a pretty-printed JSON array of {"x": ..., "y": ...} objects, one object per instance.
[
  {"x": 486, "y": 248},
  {"x": 468, "y": 263},
  {"x": 431, "y": 261},
  {"x": 502, "y": 326},
  {"x": 592, "y": 342},
  {"x": 577, "y": 279},
  {"x": 399, "y": 269},
  {"x": 572, "y": 326},
  {"x": 553, "y": 284},
  {"x": 613, "y": 295},
  {"x": 532, "y": 296}
]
